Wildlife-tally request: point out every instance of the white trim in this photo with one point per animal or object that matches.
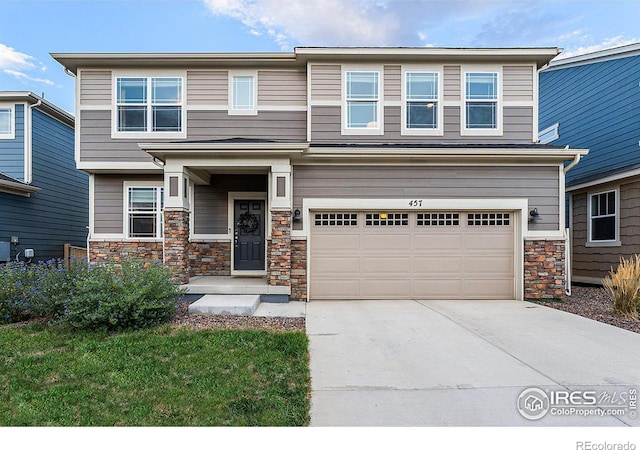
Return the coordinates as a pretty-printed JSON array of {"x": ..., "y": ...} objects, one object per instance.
[
  {"x": 439, "y": 129},
  {"x": 561, "y": 198},
  {"x": 309, "y": 103},
  {"x": 148, "y": 74},
  {"x": 126, "y": 185},
  {"x": 326, "y": 103},
  {"x": 28, "y": 143},
  {"x": 604, "y": 180},
  {"x": 345, "y": 130},
  {"x": 517, "y": 205},
  {"x": 12, "y": 120},
  {"x": 300, "y": 108},
  {"x": 468, "y": 69},
  {"x": 604, "y": 243},
  {"x": 78, "y": 123},
  {"x": 119, "y": 167},
  {"x": 92, "y": 206},
  {"x": 231, "y": 198},
  {"x": 210, "y": 237},
  {"x": 95, "y": 108},
  {"x": 253, "y": 74},
  {"x": 535, "y": 103},
  {"x": 97, "y": 237}
]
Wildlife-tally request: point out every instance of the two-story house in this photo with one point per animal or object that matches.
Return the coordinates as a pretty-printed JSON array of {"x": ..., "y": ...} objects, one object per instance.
[
  {"x": 43, "y": 198},
  {"x": 593, "y": 100},
  {"x": 335, "y": 173}
]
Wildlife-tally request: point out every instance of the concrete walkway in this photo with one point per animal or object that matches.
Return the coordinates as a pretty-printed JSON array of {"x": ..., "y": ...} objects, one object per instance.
[{"x": 458, "y": 363}]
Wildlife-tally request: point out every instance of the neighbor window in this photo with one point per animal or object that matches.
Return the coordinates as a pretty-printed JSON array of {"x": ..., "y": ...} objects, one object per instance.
[
  {"x": 362, "y": 98},
  {"x": 481, "y": 100},
  {"x": 549, "y": 134},
  {"x": 421, "y": 97},
  {"x": 149, "y": 104},
  {"x": 603, "y": 216},
  {"x": 243, "y": 92},
  {"x": 6, "y": 123},
  {"x": 145, "y": 211}
]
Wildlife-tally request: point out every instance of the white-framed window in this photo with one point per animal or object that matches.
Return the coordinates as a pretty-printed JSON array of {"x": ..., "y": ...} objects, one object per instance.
[
  {"x": 7, "y": 121},
  {"x": 243, "y": 92},
  {"x": 144, "y": 211},
  {"x": 149, "y": 106},
  {"x": 481, "y": 110},
  {"x": 549, "y": 134},
  {"x": 421, "y": 105},
  {"x": 362, "y": 111},
  {"x": 603, "y": 220}
]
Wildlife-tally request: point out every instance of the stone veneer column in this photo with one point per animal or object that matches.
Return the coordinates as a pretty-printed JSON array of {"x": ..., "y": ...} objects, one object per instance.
[
  {"x": 176, "y": 242},
  {"x": 299, "y": 269},
  {"x": 279, "y": 253},
  {"x": 544, "y": 269}
]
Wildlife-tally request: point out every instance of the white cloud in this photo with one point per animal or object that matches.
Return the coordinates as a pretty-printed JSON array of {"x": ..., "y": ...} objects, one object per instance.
[
  {"x": 10, "y": 58},
  {"x": 24, "y": 77},
  {"x": 616, "y": 41}
]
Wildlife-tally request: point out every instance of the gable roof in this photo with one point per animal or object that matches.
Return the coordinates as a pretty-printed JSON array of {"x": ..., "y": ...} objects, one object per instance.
[{"x": 609, "y": 54}]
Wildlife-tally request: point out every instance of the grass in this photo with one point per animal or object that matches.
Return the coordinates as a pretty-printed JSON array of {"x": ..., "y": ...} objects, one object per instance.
[{"x": 157, "y": 377}]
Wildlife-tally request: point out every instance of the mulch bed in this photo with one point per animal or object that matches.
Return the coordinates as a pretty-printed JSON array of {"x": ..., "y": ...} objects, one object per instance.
[{"x": 594, "y": 303}]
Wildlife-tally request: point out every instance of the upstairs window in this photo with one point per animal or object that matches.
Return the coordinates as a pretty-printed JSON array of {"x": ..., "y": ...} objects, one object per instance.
[
  {"x": 421, "y": 92},
  {"x": 149, "y": 104},
  {"x": 6, "y": 123},
  {"x": 481, "y": 100},
  {"x": 145, "y": 211},
  {"x": 242, "y": 93},
  {"x": 362, "y": 96},
  {"x": 603, "y": 217},
  {"x": 549, "y": 134}
]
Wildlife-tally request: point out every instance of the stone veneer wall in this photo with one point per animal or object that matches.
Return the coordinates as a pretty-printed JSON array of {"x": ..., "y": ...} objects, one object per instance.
[
  {"x": 279, "y": 251},
  {"x": 176, "y": 242},
  {"x": 116, "y": 251},
  {"x": 209, "y": 258},
  {"x": 299, "y": 269},
  {"x": 544, "y": 269}
]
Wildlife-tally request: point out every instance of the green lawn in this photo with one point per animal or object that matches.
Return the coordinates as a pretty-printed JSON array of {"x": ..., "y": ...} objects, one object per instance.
[{"x": 157, "y": 377}]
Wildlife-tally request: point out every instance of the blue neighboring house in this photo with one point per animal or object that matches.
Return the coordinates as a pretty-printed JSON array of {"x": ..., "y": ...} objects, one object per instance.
[
  {"x": 43, "y": 197},
  {"x": 593, "y": 101}
]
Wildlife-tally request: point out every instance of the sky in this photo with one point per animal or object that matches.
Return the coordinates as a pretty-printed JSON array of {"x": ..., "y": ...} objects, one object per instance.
[{"x": 31, "y": 29}]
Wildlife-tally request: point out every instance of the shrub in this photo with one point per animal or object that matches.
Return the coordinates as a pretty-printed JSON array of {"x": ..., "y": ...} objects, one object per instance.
[
  {"x": 128, "y": 296},
  {"x": 16, "y": 280},
  {"x": 623, "y": 284}
]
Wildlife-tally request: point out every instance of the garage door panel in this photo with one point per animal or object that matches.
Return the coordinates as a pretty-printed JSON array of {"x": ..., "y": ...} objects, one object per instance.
[{"x": 414, "y": 259}]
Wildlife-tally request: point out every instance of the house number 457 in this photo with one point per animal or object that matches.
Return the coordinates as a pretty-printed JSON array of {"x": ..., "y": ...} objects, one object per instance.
[{"x": 415, "y": 203}]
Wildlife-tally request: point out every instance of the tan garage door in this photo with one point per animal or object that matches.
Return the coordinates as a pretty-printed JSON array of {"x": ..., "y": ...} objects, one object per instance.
[{"x": 409, "y": 255}]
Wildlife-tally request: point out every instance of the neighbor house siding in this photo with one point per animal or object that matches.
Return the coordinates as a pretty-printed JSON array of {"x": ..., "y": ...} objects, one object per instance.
[
  {"x": 596, "y": 106},
  {"x": 108, "y": 200},
  {"x": 95, "y": 87},
  {"x": 12, "y": 150},
  {"x": 210, "y": 210},
  {"x": 58, "y": 213},
  {"x": 518, "y": 127},
  {"x": 539, "y": 185},
  {"x": 596, "y": 262}
]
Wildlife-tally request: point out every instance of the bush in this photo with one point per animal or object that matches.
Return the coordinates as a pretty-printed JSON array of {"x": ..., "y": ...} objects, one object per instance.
[
  {"x": 16, "y": 281},
  {"x": 120, "y": 297},
  {"x": 623, "y": 284}
]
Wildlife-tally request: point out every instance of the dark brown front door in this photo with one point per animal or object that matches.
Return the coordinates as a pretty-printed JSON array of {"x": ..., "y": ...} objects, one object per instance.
[{"x": 249, "y": 238}]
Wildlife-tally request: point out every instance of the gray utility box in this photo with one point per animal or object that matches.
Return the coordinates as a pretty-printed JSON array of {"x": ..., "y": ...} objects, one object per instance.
[{"x": 5, "y": 251}]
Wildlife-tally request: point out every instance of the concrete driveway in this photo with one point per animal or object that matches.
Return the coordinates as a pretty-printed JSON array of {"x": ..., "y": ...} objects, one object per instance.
[{"x": 462, "y": 363}]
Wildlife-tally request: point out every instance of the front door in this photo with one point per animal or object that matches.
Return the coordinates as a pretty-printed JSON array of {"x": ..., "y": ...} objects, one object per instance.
[{"x": 249, "y": 238}]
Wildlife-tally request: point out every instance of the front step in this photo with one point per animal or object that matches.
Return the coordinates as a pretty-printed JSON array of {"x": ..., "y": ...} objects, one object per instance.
[{"x": 231, "y": 305}]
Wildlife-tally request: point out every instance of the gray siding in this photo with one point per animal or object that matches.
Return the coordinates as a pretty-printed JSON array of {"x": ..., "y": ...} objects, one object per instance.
[
  {"x": 95, "y": 87},
  {"x": 451, "y": 82},
  {"x": 108, "y": 198},
  {"x": 211, "y": 202},
  {"x": 517, "y": 121},
  {"x": 207, "y": 87},
  {"x": 597, "y": 261},
  {"x": 282, "y": 88},
  {"x": 96, "y": 143},
  {"x": 518, "y": 83},
  {"x": 392, "y": 83},
  {"x": 326, "y": 82},
  {"x": 539, "y": 184}
]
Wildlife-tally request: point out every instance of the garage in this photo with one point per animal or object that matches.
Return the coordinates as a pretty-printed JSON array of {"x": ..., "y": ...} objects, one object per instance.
[{"x": 412, "y": 255}]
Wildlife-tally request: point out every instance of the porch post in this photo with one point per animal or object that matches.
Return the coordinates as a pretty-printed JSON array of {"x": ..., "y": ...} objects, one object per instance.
[
  {"x": 176, "y": 223},
  {"x": 279, "y": 247}
]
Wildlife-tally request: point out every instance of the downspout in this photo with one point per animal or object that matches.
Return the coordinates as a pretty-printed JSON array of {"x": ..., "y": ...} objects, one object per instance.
[
  {"x": 28, "y": 169},
  {"x": 567, "y": 232}
]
